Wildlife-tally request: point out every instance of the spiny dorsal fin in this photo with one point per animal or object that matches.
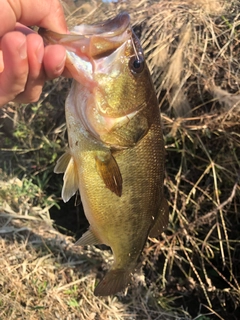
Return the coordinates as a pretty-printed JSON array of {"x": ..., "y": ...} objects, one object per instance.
[
  {"x": 62, "y": 163},
  {"x": 88, "y": 238},
  {"x": 161, "y": 220},
  {"x": 109, "y": 172},
  {"x": 70, "y": 178}
]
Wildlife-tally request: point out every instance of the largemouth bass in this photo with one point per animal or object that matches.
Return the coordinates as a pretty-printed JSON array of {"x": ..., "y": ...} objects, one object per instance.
[{"x": 116, "y": 148}]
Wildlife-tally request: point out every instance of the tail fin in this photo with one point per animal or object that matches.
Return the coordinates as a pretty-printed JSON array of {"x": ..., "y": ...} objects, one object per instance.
[{"x": 113, "y": 282}]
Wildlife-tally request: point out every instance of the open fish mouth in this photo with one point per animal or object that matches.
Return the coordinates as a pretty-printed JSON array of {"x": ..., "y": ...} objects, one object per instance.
[
  {"x": 108, "y": 28},
  {"x": 86, "y": 44},
  {"x": 92, "y": 41}
]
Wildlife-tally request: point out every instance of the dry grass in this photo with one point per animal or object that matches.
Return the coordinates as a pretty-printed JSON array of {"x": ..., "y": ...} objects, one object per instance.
[
  {"x": 193, "y": 49},
  {"x": 44, "y": 276}
]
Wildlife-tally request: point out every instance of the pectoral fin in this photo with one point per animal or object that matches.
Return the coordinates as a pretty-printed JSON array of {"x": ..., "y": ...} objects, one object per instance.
[
  {"x": 161, "y": 221},
  {"x": 109, "y": 171},
  {"x": 88, "y": 238},
  {"x": 70, "y": 186}
]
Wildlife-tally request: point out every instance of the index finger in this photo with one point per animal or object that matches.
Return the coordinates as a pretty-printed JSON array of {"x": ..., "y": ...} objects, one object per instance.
[{"x": 43, "y": 13}]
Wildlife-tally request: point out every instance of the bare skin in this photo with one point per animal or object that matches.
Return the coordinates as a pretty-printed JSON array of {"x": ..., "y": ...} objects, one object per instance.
[{"x": 25, "y": 64}]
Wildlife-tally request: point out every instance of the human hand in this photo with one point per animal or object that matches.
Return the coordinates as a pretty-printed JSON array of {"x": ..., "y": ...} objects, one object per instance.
[{"x": 25, "y": 64}]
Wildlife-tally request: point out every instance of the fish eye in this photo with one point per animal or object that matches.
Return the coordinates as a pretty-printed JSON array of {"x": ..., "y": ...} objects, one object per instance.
[{"x": 136, "y": 65}]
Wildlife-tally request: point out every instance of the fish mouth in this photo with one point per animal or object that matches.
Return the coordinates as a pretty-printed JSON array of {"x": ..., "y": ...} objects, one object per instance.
[
  {"x": 92, "y": 41},
  {"x": 108, "y": 28},
  {"x": 92, "y": 51},
  {"x": 87, "y": 43}
]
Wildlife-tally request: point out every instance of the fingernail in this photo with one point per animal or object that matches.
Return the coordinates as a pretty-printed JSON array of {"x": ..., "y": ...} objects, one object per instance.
[
  {"x": 40, "y": 53},
  {"x": 22, "y": 49},
  {"x": 61, "y": 65}
]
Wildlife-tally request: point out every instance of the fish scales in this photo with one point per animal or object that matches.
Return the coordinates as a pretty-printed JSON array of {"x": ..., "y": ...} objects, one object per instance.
[
  {"x": 116, "y": 148},
  {"x": 136, "y": 173}
]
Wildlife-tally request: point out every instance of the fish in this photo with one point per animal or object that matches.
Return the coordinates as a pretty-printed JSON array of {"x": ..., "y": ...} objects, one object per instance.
[{"x": 116, "y": 148}]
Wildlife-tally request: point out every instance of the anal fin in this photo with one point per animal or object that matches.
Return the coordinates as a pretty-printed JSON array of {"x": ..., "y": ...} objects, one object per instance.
[
  {"x": 88, "y": 238},
  {"x": 109, "y": 171},
  {"x": 161, "y": 221}
]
